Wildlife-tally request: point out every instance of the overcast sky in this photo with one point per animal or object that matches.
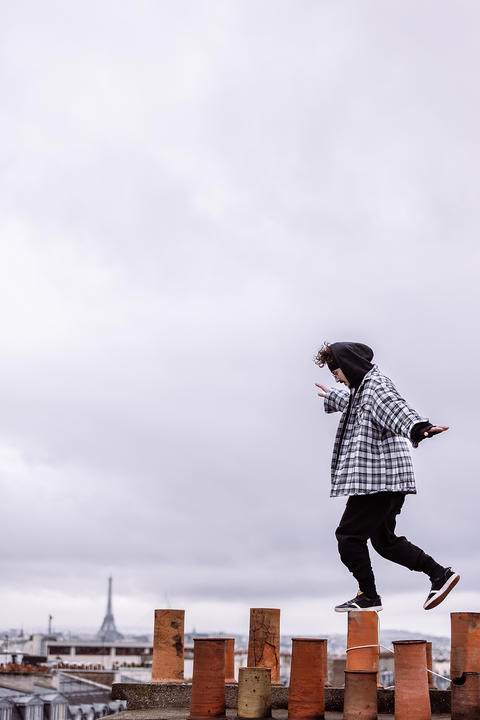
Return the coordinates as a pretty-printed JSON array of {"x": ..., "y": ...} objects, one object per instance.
[{"x": 194, "y": 195}]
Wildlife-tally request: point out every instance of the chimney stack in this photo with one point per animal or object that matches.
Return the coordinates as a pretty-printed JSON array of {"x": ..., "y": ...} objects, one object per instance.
[
  {"x": 229, "y": 660},
  {"x": 208, "y": 683},
  {"x": 264, "y": 641},
  {"x": 363, "y": 630},
  {"x": 306, "y": 694},
  {"x": 465, "y": 639},
  {"x": 360, "y": 698},
  {"x": 168, "y": 646},
  {"x": 254, "y": 693},
  {"x": 412, "y": 696}
]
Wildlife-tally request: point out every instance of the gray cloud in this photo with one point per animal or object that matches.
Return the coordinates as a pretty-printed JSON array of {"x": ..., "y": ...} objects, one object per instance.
[{"x": 193, "y": 197}]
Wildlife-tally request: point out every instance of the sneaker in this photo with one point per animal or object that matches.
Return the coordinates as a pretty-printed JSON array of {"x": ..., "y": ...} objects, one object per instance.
[
  {"x": 441, "y": 586},
  {"x": 360, "y": 602}
]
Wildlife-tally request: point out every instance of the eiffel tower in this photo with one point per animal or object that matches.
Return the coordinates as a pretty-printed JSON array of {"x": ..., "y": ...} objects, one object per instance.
[{"x": 108, "y": 632}]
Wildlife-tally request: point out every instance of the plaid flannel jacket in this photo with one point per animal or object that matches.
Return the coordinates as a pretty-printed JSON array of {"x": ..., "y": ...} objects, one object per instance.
[{"x": 374, "y": 454}]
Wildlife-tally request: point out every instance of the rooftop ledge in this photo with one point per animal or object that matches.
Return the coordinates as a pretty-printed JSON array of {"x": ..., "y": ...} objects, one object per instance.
[
  {"x": 182, "y": 713},
  {"x": 151, "y": 701}
]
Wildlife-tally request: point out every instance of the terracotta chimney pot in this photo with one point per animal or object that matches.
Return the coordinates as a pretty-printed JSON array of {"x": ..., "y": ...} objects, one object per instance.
[
  {"x": 325, "y": 662},
  {"x": 360, "y": 698},
  {"x": 208, "y": 683},
  {"x": 264, "y": 641},
  {"x": 362, "y": 630},
  {"x": 466, "y": 697},
  {"x": 431, "y": 683},
  {"x": 306, "y": 694},
  {"x": 412, "y": 697},
  {"x": 465, "y": 639},
  {"x": 230, "y": 660},
  {"x": 168, "y": 646}
]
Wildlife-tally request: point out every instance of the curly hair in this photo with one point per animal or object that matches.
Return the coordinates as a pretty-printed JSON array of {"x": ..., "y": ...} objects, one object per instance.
[{"x": 324, "y": 356}]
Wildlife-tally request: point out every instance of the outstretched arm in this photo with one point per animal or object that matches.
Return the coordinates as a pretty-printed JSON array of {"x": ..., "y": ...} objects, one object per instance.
[{"x": 392, "y": 412}]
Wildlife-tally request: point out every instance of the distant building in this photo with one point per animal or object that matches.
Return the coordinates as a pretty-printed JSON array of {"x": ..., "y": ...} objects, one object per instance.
[
  {"x": 91, "y": 652},
  {"x": 53, "y": 695}
]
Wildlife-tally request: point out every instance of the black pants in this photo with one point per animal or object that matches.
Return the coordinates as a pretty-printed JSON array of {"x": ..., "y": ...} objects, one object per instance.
[{"x": 374, "y": 517}]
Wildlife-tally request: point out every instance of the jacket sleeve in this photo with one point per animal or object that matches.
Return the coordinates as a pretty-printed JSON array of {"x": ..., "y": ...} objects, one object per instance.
[
  {"x": 336, "y": 400},
  {"x": 391, "y": 411}
]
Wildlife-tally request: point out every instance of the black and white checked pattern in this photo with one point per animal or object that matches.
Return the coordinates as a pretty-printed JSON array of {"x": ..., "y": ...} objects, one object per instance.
[{"x": 375, "y": 454}]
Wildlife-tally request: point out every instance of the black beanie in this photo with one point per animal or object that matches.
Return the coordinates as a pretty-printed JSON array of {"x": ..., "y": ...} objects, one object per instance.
[{"x": 353, "y": 359}]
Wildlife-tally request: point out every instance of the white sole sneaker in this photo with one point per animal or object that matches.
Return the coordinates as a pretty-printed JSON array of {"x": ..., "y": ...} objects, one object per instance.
[
  {"x": 438, "y": 596},
  {"x": 355, "y": 608}
]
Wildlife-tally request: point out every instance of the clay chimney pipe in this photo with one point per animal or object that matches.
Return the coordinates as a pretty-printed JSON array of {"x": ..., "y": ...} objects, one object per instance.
[
  {"x": 254, "y": 693},
  {"x": 306, "y": 694},
  {"x": 360, "y": 698},
  {"x": 168, "y": 635},
  {"x": 363, "y": 630},
  {"x": 465, "y": 639},
  {"x": 466, "y": 697},
  {"x": 230, "y": 660},
  {"x": 412, "y": 697},
  {"x": 325, "y": 662},
  {"x": 431, "y": 683},
  {"x": 208, "y": 683},
  {"x": 264, "y": 641}
]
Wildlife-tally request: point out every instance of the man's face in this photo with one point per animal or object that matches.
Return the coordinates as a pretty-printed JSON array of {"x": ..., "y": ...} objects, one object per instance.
[{"x": 340, "y": 377}]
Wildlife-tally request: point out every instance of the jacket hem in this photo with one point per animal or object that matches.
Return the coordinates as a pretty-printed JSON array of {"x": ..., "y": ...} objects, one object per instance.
[{"x": 343, "y": 493}]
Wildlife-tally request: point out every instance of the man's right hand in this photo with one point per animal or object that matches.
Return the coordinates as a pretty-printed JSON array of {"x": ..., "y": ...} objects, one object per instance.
[
  {"x": 435, "y": 430},
  {"x": 322, "y": 387}
]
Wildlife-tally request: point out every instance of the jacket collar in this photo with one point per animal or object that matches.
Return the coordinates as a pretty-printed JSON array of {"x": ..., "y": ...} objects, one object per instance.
[{"x": 369, "y": 374}]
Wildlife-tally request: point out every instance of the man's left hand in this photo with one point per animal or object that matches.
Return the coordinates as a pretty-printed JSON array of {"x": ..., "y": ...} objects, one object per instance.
[{"x": 322, "y": 387}]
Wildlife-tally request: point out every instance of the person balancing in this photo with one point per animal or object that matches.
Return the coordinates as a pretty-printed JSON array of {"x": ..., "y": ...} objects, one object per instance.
[{"x": 371, "y": 464}]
